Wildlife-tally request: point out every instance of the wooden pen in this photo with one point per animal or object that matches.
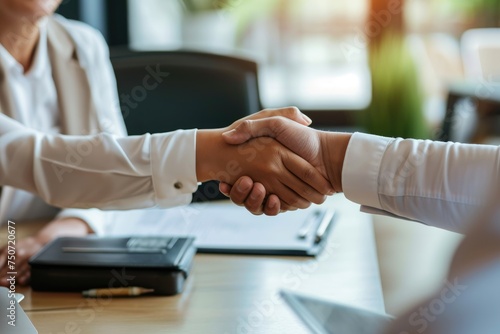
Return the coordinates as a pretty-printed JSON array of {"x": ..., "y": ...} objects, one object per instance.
[{"x": 131, "y": 291}]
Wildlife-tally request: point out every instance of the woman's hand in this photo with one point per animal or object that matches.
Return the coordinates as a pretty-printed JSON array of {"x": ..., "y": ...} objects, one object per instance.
[{"x": 26, "y": 248}]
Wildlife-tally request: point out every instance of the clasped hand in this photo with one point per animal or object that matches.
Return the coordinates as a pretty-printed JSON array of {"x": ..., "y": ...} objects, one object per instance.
[
  {"x": 273, "y": 162},
  {"x": 290, "y": 180},
  {"x": 323, "y": 150}
]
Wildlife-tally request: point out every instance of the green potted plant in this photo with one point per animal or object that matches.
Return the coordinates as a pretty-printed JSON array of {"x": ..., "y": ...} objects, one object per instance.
[
  {"x": 485, "y": 13},
  {"x": 396, "y": 109}
]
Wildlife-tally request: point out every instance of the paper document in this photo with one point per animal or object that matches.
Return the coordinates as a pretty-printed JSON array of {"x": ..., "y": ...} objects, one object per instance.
[{"x": 222, "y": 225}]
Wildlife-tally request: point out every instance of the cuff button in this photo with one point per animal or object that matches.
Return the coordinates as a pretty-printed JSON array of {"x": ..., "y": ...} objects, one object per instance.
[{"x": 178, "y": 185}]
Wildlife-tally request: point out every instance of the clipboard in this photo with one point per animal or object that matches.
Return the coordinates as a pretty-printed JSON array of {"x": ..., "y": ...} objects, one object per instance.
[{"x": 224, "y": 228}]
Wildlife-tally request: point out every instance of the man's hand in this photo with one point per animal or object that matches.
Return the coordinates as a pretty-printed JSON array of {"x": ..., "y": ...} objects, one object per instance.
[
  {"x": 26, "y": 248},
  {"x": 245, "y": 187},
  {"x": 323, "y": 150},
  {"x": 294, "y": 180}
]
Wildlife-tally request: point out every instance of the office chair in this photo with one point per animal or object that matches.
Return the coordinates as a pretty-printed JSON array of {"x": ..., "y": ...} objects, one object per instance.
[{"x": 171, "y": 90}]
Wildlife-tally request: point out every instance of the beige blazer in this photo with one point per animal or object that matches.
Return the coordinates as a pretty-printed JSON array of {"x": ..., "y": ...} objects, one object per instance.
[
  {"x": 124, "y": 172},
  {"x": 76, "y": 107}
]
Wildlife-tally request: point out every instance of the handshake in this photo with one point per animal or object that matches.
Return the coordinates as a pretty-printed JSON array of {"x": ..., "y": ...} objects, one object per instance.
[{"x": 272, "y": 162}]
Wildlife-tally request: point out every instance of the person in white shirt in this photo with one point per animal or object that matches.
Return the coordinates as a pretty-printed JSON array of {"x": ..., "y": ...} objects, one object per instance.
[
  {"x": 56, "y": 78},
  {"x": 436, "y": 183},
  {"x": 448, "y": 185},
  {"x": 35, "y": 63}
]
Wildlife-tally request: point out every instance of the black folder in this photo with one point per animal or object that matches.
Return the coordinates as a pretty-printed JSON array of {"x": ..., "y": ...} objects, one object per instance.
[{"x": 77, "y": 264}]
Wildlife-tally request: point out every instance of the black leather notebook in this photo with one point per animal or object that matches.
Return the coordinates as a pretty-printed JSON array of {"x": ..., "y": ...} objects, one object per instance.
[{"x": 77, "y": 264}]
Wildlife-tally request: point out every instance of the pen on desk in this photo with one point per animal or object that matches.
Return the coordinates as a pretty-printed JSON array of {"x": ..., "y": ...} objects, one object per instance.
[
  {"x": 323, "y": 225},
  {"x": 308, "y": 224},
  {"x": 131, "y": 291}
]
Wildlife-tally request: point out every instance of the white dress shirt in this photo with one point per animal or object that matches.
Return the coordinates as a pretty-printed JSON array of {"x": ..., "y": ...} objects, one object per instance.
[
  {"x": 436, "y": 183},
  {"x": 445, "y": 185}
]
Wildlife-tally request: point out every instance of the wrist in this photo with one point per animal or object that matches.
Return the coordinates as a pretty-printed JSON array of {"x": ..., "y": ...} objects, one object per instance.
[
  {"x": 333, "y": 148},
  {"x": 208, "y": 159},
  {"x": 68, "y": 226}
]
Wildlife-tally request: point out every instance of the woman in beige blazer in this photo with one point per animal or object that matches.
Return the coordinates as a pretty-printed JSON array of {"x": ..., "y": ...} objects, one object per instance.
[{"x": 55, "y": 77}]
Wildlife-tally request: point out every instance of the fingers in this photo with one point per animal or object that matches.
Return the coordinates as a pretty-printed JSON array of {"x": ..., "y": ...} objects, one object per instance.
[
  {"x": 292, "y": 113},
  {"x": 3, "y": 266},
  {"x": 24, "y": 275},
  {"x": 300, "y": 183},
  {"x": 224, "y": 188},
  {"x": 273, "y": 205},
  {"x": 254, "y": 202},
  {"x": 251, "y": 195},
  {"x": 310, "y": 183},
  {"x": 3, "y": 258},
  {"x": 241, "y": 190},
  {"x": 267, "y": 127},
  {"x": 25, "y": 248}
]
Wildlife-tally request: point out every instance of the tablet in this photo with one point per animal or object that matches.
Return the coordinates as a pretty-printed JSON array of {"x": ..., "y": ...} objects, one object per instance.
[{"x": 328, "y": 317}]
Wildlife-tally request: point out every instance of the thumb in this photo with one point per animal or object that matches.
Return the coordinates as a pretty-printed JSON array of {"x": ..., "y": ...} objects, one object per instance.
[{"x": 267, "y": 127}]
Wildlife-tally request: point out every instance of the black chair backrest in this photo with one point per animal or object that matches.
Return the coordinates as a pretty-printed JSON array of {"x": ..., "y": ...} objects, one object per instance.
[{"x": 171, "y": 90}]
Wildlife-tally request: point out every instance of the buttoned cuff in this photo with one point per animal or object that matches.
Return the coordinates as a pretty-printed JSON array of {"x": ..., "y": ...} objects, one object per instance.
[
  {"x": 361, "y": 170},
  {"x": 173, "y": 163}
]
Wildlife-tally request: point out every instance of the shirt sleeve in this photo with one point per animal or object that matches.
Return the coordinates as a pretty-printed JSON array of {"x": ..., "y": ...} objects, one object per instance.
[
  {"x": 100, "y": 171},
  {"x": 439, "y": 184},
  {"x": 105, "y": 96}
]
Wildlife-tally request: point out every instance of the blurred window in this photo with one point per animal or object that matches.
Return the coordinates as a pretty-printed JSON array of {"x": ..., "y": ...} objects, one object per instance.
[{"x": 311, "y": 53}]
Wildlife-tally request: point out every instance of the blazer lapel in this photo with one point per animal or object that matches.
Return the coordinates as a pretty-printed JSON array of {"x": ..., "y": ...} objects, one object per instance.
[
  {"x": 6, "y": 107},
  {"x": 76, "y": 109},
  {"x": 5, "y": 98}
]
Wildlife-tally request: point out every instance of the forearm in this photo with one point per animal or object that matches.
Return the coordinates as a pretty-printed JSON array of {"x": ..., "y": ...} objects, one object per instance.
[
  {"x": 97, "y": 220},
  {"x": 209, "y": 144},
  {"x": 67, "y": 227}
]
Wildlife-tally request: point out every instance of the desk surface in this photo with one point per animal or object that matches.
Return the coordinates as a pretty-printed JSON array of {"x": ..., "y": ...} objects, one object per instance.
[{"x": 230, "y": 294}]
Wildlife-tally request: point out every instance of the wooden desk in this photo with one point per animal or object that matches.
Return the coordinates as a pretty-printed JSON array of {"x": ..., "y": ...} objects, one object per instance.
[{"x": 231, "y": 294}]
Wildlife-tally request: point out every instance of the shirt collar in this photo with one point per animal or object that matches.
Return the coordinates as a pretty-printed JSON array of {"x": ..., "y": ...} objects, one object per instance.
[{"x": 40, "y": 59}]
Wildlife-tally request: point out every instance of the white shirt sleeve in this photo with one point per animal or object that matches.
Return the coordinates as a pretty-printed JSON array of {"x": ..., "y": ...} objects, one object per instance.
[
  {"x": 436, "y": 183},
  {"x": 94, "y": 56},
  {"x": 100, "y": 171}
]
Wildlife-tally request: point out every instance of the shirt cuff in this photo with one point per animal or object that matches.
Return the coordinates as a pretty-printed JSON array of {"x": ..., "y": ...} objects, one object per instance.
[
  {"x": 361, "y": 169},
  {"x": 173, "y": 163}
]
